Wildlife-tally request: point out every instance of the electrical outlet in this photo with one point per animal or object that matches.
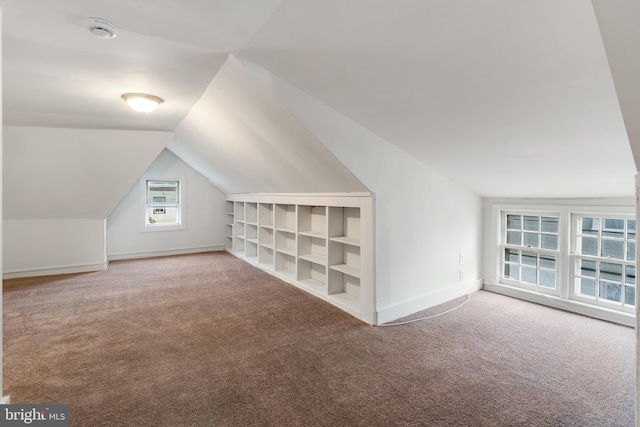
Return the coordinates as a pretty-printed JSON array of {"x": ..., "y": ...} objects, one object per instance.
[
  {"x": 461, "y": 258},
  {"x": 461, "y": 274}
]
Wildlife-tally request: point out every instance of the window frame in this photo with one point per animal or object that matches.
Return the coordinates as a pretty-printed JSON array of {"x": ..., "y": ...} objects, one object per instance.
[
  {"x": 145, "y": 226},
  {"x": 561, "y": 299},
  {"x": 575, "y": 256},
  {"x": 503, "y": 228}
]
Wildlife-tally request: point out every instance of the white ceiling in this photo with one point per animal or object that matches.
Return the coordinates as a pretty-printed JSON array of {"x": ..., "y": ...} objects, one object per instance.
[{"x": 511, "y": 98}]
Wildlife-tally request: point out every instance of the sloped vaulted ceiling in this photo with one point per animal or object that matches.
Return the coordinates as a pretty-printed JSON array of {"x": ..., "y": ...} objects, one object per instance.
[
  {"x": 510, "y": 98},
  {"x": 51, "y": 173},
  {"x": 243, "y": 140}
]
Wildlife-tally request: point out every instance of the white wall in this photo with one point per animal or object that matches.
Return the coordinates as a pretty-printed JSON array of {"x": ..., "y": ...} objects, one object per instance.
[
  {"x": 73, "y": 173},
  {"x": 53, "y": 246},
  {"x": 205, "y": 217},
  {"x": 423, "y": 219}
]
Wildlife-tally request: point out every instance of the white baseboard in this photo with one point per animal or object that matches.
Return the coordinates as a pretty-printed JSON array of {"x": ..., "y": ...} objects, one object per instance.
[
  {"x": 626, "y": 319},
  {"x": 5, "y": 400},
  {"x": 165, "y": 252},
  {"x": 52, "y": 270},
  {"x": 393, "y": 312}
]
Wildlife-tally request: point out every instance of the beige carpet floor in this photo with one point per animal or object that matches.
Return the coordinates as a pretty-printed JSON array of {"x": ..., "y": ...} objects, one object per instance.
[{"x": 208, "y": 340}]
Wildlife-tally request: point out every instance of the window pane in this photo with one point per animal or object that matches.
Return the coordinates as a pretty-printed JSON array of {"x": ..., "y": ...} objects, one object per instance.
[
  {"x": 514, "y": 222},
  {"x": 532, "y": 239},
  {"x": 532, "y": 223},
  {"x": 589, "y": 246},
  {"x": 511, "y": 271},
  {"x": 529, "y": 258},
  {"x": 588, "y": 287},
  {"x": 612, "y": 249},
  {"x": 630, "y": 274},
  {"x": 613, "y": 228},
  {"x": 588, "y": 268},
  {"x": 631, "y": 229},
  {"x": 547, "y": 278},
  {"x": 514, "y": 237},
  {"x": 162, "y": 191},
  {"x": 549, "y": 241},
  {"x": 548, "y": 261},
  {"x": 590, "y": 226},
  {"x": 610, "y": 291},
  {"x": 165, "y": 215},
  {"x": 631, "y": 251},
  {"x": 529, "y": 275},
  {"x": 549, "y": 224},
  {"x": 629, "y": 295},
  {"x": 610, "y": 271},
  {"x": 511, "y": 255}
]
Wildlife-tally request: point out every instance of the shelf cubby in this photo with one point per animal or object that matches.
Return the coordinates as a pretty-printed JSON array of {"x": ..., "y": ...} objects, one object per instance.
[
  {"x": 344, "y": 225},
  {"x": 312, "y": 221},
  {"x": 285, "y": 264},
  {"x": 265, "y": 237},
  {"x": 312, "y": 275},
  {"x": 344, "y": 258},
  {"x": 265, "y": 215},
  {"x": 313, "y": 249},
  {"x": 251, "y": 213},
  {"x": 238, "y": 210},
  {"x": 238, "y": 243},
  {"x": 251, "y": 248},
  {"x": 229, "y": 208},
  {"x": 229, "y": 236},
  {"x": 265, "y": 255},
  {"x": 285, "y": 217},
  {"x": 286, "y": 242}
]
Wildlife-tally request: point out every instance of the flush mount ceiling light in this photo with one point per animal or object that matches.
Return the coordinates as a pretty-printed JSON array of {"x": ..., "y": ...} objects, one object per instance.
[
  {"x": 101, "y": 28},
  {"x": 141, "y": 102}
]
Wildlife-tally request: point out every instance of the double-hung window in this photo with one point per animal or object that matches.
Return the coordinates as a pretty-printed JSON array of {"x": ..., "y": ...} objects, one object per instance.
[
  {"x": 163, "y": 204},
  {"x": 604, "y": 253},
  {"x": 530, "y": 250},
  {"x": 574, "y": 257}
]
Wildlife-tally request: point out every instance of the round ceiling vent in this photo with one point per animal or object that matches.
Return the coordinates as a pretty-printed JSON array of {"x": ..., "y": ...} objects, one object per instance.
[{"x": 101, "y": 28}]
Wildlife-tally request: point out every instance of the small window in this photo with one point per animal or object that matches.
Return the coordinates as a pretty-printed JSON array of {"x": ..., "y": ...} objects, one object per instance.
[{"x": 162, "y": 206}]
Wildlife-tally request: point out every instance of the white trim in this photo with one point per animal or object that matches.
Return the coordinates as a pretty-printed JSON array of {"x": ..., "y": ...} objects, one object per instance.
[
  {"x": 247, "y": 196},
  {"x": 406, "y": 308},
  {"x": 182, "y": 203},
  {"x": 5, "y": 400},
  {"x": 165, "y": 252},
  {"x": 327, "y": 199},
  {"x": 615, "y": 316},
  {"x": 84, "y": 268},
  {"x": 52, "y": 270}
]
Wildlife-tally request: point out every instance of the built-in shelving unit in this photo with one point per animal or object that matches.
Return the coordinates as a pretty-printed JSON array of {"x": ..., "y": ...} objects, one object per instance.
[
  {"x": 320, "y": 243},
  {"x": 229, "y": 210}
]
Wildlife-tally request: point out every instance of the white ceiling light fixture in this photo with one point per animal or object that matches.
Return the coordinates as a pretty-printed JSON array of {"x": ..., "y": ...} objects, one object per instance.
[
  {"x": 101, "y": 28},
  {"x": 141, "y": 102}
]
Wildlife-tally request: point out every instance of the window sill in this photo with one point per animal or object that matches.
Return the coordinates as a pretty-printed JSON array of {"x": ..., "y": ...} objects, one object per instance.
[
  {"x": 161, "y": 227},
  {"x": 626, "y": 319}
]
